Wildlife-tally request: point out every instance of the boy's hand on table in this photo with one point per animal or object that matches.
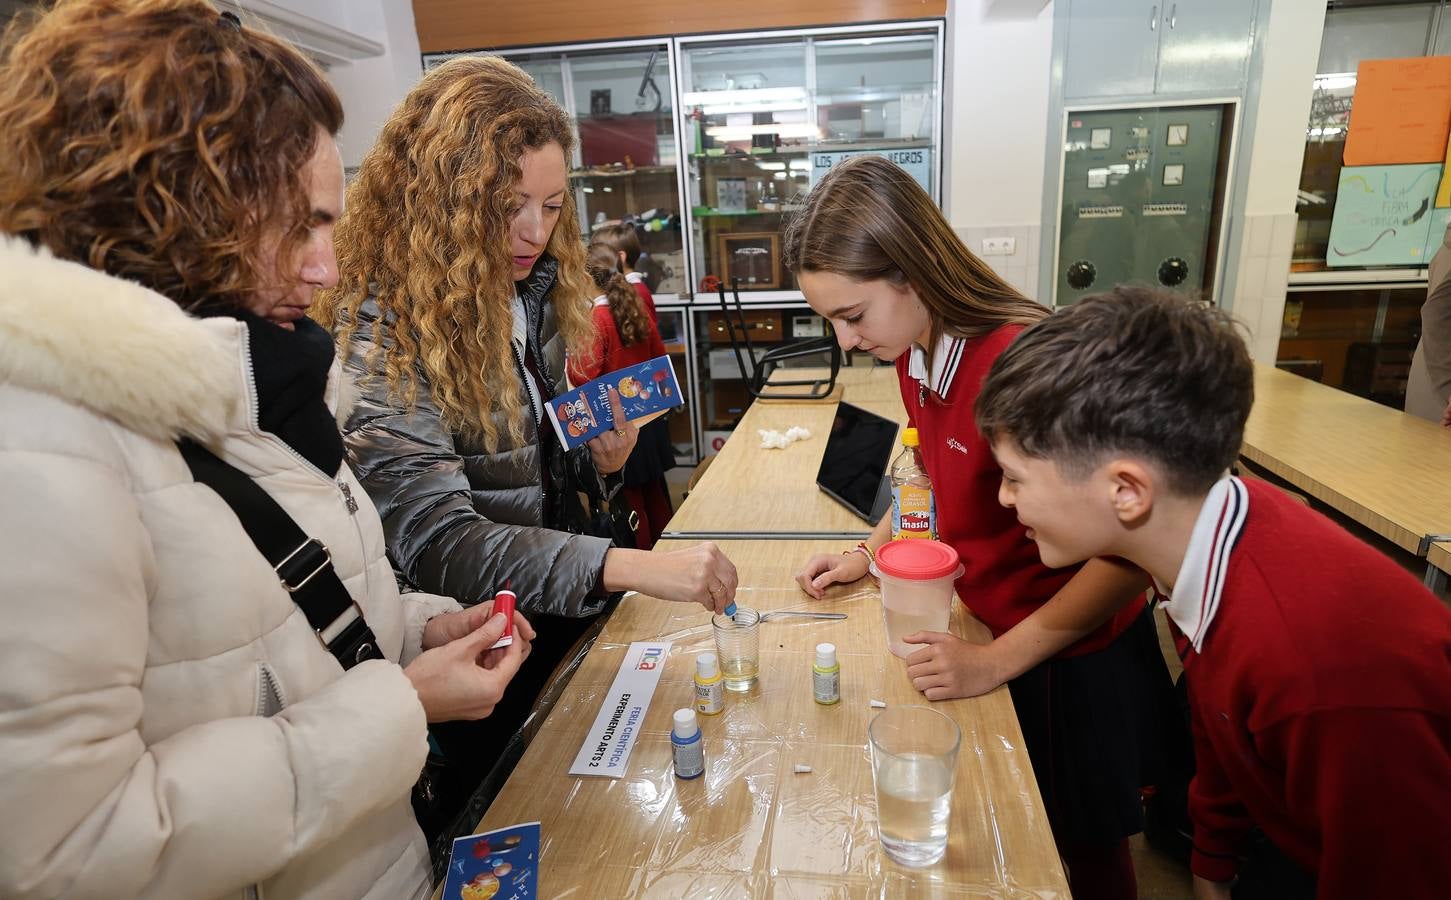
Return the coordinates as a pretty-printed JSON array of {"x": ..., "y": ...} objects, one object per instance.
[{"x": 948, "y": 667}]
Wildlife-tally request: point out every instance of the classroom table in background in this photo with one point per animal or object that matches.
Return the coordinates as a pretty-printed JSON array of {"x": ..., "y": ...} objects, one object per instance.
[
  {"x": 750, "y": 491},
  {"x": 751, "y": 826},
  {"x": 1380, "y": 467},
  {"x": 1438, "y": 567}
]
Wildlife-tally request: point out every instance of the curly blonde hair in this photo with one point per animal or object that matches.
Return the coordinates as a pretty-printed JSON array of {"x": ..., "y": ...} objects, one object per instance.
[
  {"x": 155, "y": 141},
  {"x": 426, "y": 233}
]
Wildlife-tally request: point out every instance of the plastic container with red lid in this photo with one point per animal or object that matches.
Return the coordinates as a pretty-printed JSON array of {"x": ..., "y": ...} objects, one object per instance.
[{"x": 917, "y": 577}]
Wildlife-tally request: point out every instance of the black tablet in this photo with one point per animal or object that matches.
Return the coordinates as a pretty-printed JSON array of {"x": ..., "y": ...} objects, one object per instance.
[{"x": 854, "y": 468}]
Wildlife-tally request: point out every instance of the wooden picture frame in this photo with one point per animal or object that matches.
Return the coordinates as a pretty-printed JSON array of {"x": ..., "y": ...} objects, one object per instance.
[{"x": 761, "y": 276}]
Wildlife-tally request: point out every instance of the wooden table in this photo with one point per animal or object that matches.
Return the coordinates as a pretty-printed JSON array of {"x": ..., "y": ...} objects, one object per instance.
[
  {"x": 1387, "y": 470},
  {"x": 751, "y": 491},
  {"x": 750, "y": 827}
]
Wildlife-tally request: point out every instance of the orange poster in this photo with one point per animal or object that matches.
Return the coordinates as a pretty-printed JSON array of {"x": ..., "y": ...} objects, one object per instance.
[
  {"x": 1401, "y": 112},
  {"x": 1443, "y": 193}
]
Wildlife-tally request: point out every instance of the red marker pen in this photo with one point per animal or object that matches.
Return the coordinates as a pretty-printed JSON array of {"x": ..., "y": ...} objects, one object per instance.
[{"x": 504, "y": 603}]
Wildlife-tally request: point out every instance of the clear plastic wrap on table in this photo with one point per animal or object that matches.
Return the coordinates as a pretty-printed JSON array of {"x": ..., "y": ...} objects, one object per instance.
[{"x": 751, "y": 826}]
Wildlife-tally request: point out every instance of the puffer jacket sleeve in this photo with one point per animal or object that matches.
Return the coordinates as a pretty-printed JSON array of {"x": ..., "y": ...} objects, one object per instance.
[
  {"x": 407, "y": 462},
  {"x": 91, "y": 809}
]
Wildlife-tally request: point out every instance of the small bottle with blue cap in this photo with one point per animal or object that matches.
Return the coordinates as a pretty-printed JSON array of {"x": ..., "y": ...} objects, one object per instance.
[{"x": 686, "y": 745}]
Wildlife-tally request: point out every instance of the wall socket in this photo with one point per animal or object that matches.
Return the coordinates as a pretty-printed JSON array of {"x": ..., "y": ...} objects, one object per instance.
[{"x": 999, "y": 246}]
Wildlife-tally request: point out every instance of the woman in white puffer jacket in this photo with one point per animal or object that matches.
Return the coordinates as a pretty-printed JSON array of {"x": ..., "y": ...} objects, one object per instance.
[{"x": 170, "y": 723}]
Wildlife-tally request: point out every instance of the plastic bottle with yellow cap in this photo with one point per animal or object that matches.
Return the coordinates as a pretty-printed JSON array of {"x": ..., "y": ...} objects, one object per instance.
[{"x": 914, "y": 509}]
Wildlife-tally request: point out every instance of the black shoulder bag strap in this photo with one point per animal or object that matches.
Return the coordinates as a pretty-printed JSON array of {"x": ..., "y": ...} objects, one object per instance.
[{"x": 303, "y": 564}]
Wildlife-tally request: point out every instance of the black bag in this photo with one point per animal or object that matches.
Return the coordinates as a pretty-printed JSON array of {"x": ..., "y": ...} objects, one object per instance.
[{"x": 303, "y": 564}]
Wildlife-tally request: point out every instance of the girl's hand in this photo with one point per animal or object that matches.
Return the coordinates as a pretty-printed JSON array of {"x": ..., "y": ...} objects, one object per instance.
[
  {"x": 824, "y": 570},
  {"x": 947, "y": 667}
]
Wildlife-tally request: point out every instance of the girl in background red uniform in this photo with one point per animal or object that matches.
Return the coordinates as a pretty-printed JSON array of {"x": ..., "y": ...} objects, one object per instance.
[{"x": 625, "y": 335}]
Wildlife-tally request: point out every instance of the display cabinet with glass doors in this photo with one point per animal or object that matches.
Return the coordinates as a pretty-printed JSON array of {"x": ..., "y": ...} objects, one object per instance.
[
  {"x": 1355, "y": 326},
  {"x": 762, "y": 117}
]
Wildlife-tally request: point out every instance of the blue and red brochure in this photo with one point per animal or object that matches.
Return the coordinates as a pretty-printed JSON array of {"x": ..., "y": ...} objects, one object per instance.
[
  {"x": 647, "y": 390},
  {"x": 502, "y": 863}
]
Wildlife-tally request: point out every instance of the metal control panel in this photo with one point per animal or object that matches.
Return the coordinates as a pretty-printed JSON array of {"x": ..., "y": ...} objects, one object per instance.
[{"x": 1139, "y": 193}]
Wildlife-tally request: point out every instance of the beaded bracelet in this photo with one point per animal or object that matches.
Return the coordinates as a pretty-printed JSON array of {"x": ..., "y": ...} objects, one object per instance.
[{"x": 861, "y": 547}]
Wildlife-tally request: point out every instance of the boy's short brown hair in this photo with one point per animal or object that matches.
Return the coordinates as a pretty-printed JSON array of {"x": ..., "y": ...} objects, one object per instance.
[
  {"x": 619, "y": 237},
  {"x": 1133, "y": 370}
]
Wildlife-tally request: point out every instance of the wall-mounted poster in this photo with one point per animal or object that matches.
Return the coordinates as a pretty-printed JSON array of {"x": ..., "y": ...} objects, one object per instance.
[
  {"x": 1443, "y": 193},
  {"x": 1402, "y": 111},
  {"x": 1383, "y": 215},
  {"x": 917, "y": 161},
  {"x": 1440, "y": 218}
]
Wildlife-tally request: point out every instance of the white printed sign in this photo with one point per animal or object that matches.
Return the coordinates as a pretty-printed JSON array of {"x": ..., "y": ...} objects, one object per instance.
[
  {"x": 917, "y": 162},
  {"x": 607, "y": 745}
]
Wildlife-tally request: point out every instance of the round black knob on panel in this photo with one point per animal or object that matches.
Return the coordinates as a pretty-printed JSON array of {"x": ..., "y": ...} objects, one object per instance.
[
  {"x": 1081, "y": 274},
  {"x": 1173, "y": 271}
]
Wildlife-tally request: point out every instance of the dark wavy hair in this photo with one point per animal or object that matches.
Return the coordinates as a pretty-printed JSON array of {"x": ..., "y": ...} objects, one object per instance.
[
  {"x": 159, "y": 142},
  {"x": 626, "y": 307},
  {"x": 1134, "y": 370}
]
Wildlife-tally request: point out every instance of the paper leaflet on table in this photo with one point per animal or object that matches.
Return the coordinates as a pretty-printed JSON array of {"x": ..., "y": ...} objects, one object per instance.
[
  {"x": 502, "y": 863},
  {"x": 647, "y": 390},
  {"x": 609, "y": 741}
]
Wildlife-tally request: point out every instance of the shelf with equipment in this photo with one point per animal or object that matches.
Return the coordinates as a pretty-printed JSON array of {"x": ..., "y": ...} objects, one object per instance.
[{"x": 762, "y": 116}]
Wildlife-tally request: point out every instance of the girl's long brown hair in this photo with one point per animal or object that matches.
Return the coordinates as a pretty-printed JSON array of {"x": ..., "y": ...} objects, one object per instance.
[
  {"x": 626, "y": 307},
  {"x": 426, "y": 232},
  {"x": 868, "y": 220},
  {"x": 155, "y": 141}
]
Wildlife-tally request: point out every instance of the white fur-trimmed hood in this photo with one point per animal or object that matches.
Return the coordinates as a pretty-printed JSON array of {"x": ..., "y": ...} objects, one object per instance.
[{"x": 113, "y": 346}]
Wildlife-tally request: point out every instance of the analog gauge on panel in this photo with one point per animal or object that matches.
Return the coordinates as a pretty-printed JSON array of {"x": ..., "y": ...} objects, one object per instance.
[{"x": 1178, "y": 135}]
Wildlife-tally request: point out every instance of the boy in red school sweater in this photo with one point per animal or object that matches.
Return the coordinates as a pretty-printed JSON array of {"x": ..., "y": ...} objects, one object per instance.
[{"x": 1319, "y": 672}]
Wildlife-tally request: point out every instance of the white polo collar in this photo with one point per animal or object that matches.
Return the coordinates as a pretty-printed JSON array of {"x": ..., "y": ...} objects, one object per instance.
[
  {"x": 635, "y": 277},
  {"x": 944, "y": 364},
  {"x": 1197, "y": 591},
  {"x": 601, "y": 300}
]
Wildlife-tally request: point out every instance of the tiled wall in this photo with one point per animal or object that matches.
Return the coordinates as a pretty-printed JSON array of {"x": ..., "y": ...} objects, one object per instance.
[
  {"x": 1021, "y": 269},
  {"x": 1258, "y": 295}
]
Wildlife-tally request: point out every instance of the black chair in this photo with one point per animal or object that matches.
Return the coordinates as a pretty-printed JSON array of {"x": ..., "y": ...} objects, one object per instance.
[{"x": 758, "y": 374}]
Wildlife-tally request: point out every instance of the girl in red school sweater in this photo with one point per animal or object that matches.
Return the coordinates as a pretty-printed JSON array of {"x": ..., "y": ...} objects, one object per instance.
[
  {"x": 624, "y": 336},
  {"x": 1076, "y": 646}
]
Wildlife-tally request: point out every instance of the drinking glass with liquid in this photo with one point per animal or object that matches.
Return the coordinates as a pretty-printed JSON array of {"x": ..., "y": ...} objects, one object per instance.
[
  {"x": 737, "y": 644},
  {"x": 914, "y": 755}
]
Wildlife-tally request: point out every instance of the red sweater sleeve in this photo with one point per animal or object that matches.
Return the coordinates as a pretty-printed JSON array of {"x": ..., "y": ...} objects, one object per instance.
[
  {"x": 1375, "y": 781},
  {"x": 582, "y": 370},
  {"x": 1221, "y": 824}
]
